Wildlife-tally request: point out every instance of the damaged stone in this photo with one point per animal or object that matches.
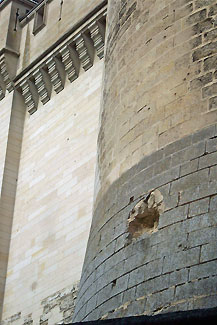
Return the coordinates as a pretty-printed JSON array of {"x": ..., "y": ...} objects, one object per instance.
[{"x": 144, "y": 217}]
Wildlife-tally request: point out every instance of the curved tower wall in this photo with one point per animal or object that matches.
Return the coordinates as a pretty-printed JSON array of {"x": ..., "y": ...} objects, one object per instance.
[{"x": 151, "y": 250}]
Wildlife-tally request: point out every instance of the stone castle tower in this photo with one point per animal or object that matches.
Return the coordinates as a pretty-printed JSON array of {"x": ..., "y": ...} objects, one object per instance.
[{"x": 107, "y": 132}]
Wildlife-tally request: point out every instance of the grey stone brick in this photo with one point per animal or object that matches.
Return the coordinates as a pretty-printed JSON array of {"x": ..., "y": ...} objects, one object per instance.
[
  {"x": 201, "y": 237},
  {"x": 196, "y": 17},
  {"x": 197, "y": 288},
  {"x": 203, "y": 134},
  {"x": 213, "y": 100},
  {"x": 202, "y": 221},
  {"x": 137, "y": 307},
  {"x": 172, "y": 216},
  {"x": 178, "y": 277},
  {"x": 129, "y": 295},
  {"x": 189, "y": 167},
  {"x": 120, "y": 285},
  {"x": 213, "y": 203},
  {"x": 203, "y": 270},
  {"x": 205, "y": 302},
  {"x": 159, "y": 299},
  {"x": 211, "y": 35},
  {"x": 208, "y": 160},
  {"x": 211, "y": 145},
  {"x": 210, "y": 63},
  {"x": 213, "y": 9},
  {"x": 91, "y": 304},
  {"x": 199, "y": 207},
  {"x": 190, "y": 181},
  {"x": 190, "y": 153},
  {"x": 203, "y": 3},
  {"x": 208, "y": 252},
  {"x": 178, "y": 145},
  {"x": 111, "y": 304},
  {"x": 203, "y": 26},
  {"x": 198, "y": 192},
  {"x": 210, "y": 91},
  {"x": 162, "y": 166},
  {"x": 177, "y": 307},
  {"x": 120, "y": 242},
  {"x": 145, "y": 272},
  {"x": 213, "y": 173},
  {"x": 170, "y": 201},
  {"x": 179, "y": 260},
  {"x": 151, "y": 286},
  {"x": 201, "y": 81},
  {"x": 137, "y": 276}
]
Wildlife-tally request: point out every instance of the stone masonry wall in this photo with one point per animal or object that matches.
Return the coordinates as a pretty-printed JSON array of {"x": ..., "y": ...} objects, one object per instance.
[
  {"x": 171, "y": 269},
  {"x": 159, "y": 82},
  {"x": 152, "y": 244},
  {"x": 56, "y": 309},
  {"x": 54, "y": 198}
]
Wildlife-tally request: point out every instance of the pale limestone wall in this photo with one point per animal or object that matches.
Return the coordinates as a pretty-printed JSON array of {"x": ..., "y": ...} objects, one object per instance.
[
  {"x": 12, "y": 126},
  {"x": 4, "y": 19},
  {"x": 73, "y": 11},
  {"x": 54, "y": 197},
  {"x": 155, "y": 68},
  {"x": 4, "y": 227},
  {"x": 5, "y": 120}
]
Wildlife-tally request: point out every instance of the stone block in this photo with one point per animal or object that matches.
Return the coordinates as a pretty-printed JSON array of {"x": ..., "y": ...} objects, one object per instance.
[
  {"x": 152, "y": 286},
  {"x": 203, "y": 270},
  {"x": 210, "y": 63},
  {"x": 213, "y": 203},
  {"x": 213, "y": 10},
  {"x": 203, "y": 3},
  {"x": 189, "y": 167},
  {"x": 178, "y": 145},
  {"x": 173, "y": 216},
  {"x": 204, "y": 51},
  {"x": 199, "y": 207},
  {"x": 208, "y": 160},
  {"x": 178, "y": 277},
  {"x": 201, "y": 81},
  {"x": 178, "y": 260},
  {"x": 208, "y": 252},
  {"x": 190, "y": 181},
  {"x": 160, "y": 299},
  {"x": 205, "y": 302},
  {"x": 202, "y": 237},
  {"x": 209, "y": 91},
  {"x": 197, "y": 288},
  {"x": 203, "y": 134},
  {"x": 213, "y": 101},
  {"x": 211, "y": 145}
]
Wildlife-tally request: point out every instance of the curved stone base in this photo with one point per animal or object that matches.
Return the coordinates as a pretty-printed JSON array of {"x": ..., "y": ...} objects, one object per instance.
[{"x": 172, "y": 268}]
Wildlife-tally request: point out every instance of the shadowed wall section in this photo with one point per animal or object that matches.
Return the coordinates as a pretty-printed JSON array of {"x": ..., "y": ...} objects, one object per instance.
[{"x": 157, "y": 133}]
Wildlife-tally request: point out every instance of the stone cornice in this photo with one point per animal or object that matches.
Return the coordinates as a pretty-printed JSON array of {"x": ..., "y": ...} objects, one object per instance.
[
  {"x": 65, "y": 61},
  {"x": 76, "y": 51}
]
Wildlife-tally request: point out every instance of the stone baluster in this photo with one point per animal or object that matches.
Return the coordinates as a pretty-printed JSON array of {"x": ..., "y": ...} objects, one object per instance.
[
  {"x": 56, "y": 72},
  {"x": 70, "y": 61},
  {"x": 30, "y": 95},
  {"x": 97, "y": 33},
  {"x": 43, "y": 85},
  {"x": 84, "y": 47}
]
